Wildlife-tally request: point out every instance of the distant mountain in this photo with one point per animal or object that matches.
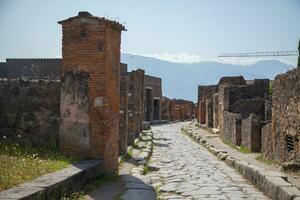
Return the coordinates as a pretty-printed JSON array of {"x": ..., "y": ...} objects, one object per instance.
[{"x": 180, "y": 80}]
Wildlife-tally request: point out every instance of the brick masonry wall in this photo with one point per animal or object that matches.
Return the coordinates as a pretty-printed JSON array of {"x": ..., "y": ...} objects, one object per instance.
[
  {"x": 31, "y": 109},
  {"x": 123, "y": 122},
  {"x": 153, "y": 83},
  {"x": 174, "y": 110},
  {"x": 165, "y": 108},
  {"x": 91, "y": 44},
  {"x": 251, "y": 133},
  {"x": 135, "y": 104}
]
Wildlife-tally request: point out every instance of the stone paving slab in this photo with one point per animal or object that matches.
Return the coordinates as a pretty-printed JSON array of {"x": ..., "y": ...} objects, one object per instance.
[
  {"x": 187, "y": 170},
  {"x": 272, "y": 183}
]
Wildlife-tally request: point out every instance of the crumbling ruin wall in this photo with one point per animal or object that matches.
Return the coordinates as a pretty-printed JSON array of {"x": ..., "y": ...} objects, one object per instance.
[
  {"x": 245, "y": 107},
  {"x": 30, "y": 108},
  {"x": 286, "y": 116},
  {"x": 135, "y": 104},
  {"x": 243, "y": 99},
  {"x": 123, "y": 121},
  {"x": 209, "y": 112},
  {"x": 251, "y": 133},
  {"x": 232, "y": 127},
  {"x": 216, "y": 110},
  {"x": 204, "y": 92},
  {"x": 267, "y": 142}
]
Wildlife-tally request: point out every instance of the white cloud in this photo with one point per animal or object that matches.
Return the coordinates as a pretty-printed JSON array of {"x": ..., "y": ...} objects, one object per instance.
[{"x": 177, "y": 58}]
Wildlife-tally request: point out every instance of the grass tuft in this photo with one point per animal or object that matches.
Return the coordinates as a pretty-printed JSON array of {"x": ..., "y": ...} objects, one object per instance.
[
  {"x": 266, "y": 161},
  {"x": 241, "y": 149}
]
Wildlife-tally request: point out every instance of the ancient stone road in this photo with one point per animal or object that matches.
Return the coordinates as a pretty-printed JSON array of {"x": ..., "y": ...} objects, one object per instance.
[{"x": 189, "y": 171}]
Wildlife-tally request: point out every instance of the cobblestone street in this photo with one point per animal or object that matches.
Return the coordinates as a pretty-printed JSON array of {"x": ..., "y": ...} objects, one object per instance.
[{"x": 185, "y": 170}]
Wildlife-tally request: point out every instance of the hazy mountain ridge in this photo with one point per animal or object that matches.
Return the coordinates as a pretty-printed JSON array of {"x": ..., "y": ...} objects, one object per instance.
[{"x": 180, "y": 80}]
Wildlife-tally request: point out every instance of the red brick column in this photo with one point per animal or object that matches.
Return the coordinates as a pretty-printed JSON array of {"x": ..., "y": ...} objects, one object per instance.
[{"x": 92, "y": 45}]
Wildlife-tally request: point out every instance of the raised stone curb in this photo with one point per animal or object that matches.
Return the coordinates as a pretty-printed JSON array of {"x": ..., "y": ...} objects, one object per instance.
[
  {"x": 138, "y": 185},
  {"x": 56, "y": 184},
  {"x": 274, "y": 184}
]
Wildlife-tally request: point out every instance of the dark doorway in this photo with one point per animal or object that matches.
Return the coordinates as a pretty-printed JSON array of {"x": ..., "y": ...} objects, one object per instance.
[
  {"x": 156, "y": 109},
  {"x": 148, "y": 104}
]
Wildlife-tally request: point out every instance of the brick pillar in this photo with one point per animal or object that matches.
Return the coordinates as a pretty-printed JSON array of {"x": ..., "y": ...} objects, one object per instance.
[
  {"x": 216, "y": 110},
  {"x": 123, "y": 124},
  {"x": 135, "y": 104},
  {"x": 209, "y": 113},
  {"x": 202, "y": 109},
  {"x": 90, "y": 97}
]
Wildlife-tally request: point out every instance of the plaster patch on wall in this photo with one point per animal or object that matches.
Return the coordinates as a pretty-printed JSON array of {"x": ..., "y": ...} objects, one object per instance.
[{"x": 74, "y": 106}]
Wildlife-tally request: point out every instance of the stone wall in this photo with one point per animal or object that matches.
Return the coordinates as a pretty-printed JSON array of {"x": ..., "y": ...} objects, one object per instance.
[
  {"x": 204, "y": 92},
  {"x": 267, "y": 147},
  {"x": 251, "y": 133},
  {"x": 245, "y": 107},
  {"x": 209, "y": 112},
  {"x": 285, "y": 116},
  {"x": 30, "y": 108},
  {"x": 232, "y": 127},
  {"x": 243, "y": 99}
]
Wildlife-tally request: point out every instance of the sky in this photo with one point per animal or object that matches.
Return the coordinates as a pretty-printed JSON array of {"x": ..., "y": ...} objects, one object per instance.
[{"x": 175, "y": 30}]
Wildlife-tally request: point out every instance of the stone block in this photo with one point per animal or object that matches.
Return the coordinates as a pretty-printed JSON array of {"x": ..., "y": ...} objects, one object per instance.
[
  {"x": 230, "y": 161},
  {"x": 271, "y": 185},
  {"x": 287, "y": 193},
  {"x": 251, "y": 133},
  {"x": 232, "y": 127}
]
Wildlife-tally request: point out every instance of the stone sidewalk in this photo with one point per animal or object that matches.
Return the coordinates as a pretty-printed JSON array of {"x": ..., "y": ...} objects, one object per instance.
[
  {"x": 182, "y": 169},
  {"x": 268, "y": 178},
  {"x": 215, "y": 140},
  {"x": 132, "y": 183}
]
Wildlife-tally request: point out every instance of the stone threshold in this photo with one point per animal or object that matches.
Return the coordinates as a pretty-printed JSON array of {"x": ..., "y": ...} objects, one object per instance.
[
  {"x": 273, "y": 183},
  {"x": 57, "y": 184}
]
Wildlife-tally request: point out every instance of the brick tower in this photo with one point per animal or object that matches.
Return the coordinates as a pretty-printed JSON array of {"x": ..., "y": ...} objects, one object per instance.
[{"x": 90, "y": 98}]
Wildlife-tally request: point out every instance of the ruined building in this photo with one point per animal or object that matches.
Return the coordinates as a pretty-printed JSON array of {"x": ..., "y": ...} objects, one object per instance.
[
  {"x": 280, "y": 137},
  {"x": 237, "y": 107},
  {"x": 90, "y": 97},
  {"x": 152, "y": 99}
]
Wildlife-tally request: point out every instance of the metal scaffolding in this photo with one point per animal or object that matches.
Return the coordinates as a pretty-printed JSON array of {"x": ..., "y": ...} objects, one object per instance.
[{"x": 261, "y": 54}]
